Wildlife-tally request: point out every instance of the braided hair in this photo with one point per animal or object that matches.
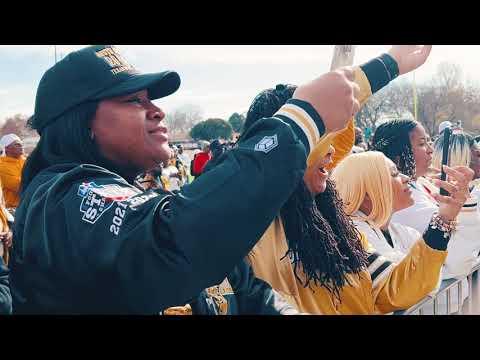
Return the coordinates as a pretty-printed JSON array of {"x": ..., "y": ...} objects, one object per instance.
[
  {"x": 392, "y": 138},
  {"x": 322, "y": 240},
  {"x": 267, "y": 103}
]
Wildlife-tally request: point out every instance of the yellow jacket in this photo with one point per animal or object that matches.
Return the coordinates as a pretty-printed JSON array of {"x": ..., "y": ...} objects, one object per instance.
[
  {"x": 342, "y": 140},
  {"x": 381, "y": 288},
  {"x": 11, "y": 176}
]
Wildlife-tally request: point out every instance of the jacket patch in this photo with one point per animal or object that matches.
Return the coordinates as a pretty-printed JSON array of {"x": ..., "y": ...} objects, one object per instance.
[
  {"x": 267, "y": 144},
  {"x": 97, "y": 199},
  {"x": 216, "y": 297}
]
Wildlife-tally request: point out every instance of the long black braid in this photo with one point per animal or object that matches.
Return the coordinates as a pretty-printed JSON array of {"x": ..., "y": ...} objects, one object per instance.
[
  {"x": 392, "y": 138},
  {"x": 267, "y": 103},
  {"x": 322, "y": 239},
  {"x": 323, "y": 242}
]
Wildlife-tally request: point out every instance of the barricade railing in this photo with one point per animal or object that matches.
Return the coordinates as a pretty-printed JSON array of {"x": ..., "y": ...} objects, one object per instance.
[{"x": 433, "y": 303}]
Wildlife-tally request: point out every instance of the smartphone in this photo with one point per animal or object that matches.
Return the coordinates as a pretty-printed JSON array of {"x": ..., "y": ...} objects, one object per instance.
[{"x": 445, "y": 155}]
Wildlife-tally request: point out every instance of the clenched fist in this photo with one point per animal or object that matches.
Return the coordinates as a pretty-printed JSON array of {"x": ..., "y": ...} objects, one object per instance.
[{"x": 334, "y": 97}]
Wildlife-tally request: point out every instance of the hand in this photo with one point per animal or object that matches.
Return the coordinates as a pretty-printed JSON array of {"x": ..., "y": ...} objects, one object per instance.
[
  {"x": 457, "y": 185},
  {"x": 6, "y": 238},
  {"x": 432, "y": 174},
  {"x": 409, "y": 57},
  {"x": 334, "y": 97}
]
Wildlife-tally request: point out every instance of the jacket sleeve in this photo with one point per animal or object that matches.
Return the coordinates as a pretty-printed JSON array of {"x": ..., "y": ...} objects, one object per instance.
[
  {"x": 255, "y": 296},
  {"x": 463, "y": 252},
  {"x": 398, "y": 286},
  {"x": 343, "y": 140},
  {"x": 164, "y": 249},
  {"x": 464, "y": 247},
  {"x": 5, "y": 296}
]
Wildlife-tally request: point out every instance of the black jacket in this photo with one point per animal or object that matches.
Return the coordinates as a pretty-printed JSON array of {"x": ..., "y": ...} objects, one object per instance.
[
  {"x": 241, "y": 293},
  {"x": 87, "y": 241}
]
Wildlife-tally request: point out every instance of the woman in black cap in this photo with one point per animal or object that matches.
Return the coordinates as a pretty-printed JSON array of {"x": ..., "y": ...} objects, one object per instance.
[{"x": 87, "y": 241}]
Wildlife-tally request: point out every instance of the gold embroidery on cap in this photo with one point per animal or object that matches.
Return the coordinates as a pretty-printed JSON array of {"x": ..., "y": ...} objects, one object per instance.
[{"x": 114, "y": 59}]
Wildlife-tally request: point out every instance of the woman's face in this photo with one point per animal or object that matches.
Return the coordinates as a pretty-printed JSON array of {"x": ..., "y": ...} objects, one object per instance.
[
  {"x": 129, "y": 131},
  {"x": 402, "y": 194},
  {"x": 422, "y": 150},
  {"x": 316, "y": 176}
]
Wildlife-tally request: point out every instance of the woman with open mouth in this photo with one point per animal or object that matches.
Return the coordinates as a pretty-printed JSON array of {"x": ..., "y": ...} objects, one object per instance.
[{"x": 313, "y": 254}]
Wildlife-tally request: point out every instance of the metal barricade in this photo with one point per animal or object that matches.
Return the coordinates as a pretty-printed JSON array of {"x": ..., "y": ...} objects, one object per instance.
[{"x": 473, "y": 300}]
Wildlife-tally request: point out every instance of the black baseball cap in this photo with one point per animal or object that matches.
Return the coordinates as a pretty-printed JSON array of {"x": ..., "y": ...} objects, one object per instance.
[{"x": 94, "y": 73}]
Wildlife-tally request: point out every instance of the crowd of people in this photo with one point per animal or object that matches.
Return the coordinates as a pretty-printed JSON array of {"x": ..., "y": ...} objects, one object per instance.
[{"x": 301, "y": 215}]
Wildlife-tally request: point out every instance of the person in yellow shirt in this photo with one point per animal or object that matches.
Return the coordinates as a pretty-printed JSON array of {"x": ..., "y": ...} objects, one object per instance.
[{"x": 11, "y": 166}]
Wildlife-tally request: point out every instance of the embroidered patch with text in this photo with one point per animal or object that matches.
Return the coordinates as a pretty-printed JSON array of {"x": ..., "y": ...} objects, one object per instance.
[{"x": 97, "y": 199}]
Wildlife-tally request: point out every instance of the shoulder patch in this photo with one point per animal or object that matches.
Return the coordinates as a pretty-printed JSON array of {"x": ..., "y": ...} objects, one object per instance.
[
  {"x": 97, "y": 199},
  {"x": 267, "y": 144},
  {"x": 217, "y": 297}
]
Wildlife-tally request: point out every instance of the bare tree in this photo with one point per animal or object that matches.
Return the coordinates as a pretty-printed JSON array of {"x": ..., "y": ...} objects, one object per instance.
[
  {"x": 444, "y": 97},
  {"x": 448, "y": 76},
  {"x": 371, "y": 112},
  {"x": 17, "y": 124},
  {"x": 182, "y": 119},
  {"x": 391, "y": 101},
  {"x": 472, "y": 103}
]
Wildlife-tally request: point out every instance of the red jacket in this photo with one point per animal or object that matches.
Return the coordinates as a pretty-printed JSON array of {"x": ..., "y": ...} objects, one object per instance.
[{"x": 199, "y": 161}]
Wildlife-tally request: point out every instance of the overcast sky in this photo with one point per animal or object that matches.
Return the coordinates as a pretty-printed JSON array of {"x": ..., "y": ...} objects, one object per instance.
[{"x": 219, "y": 79}]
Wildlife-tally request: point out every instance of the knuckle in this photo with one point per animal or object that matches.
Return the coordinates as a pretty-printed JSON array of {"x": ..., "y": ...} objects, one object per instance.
[
  {"x": 338, "y": 75},
  {"x": 348, "y": 70}
]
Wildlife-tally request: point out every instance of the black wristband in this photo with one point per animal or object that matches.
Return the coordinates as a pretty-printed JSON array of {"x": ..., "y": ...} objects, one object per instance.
[
  {"x": 380, "y": 71},
  {"x": 436, "y": 239},
  {"x": 391, "y": 65}
]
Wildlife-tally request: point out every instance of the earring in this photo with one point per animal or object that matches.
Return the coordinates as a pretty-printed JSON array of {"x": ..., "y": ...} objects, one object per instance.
[{"x": 92, "y": 135}]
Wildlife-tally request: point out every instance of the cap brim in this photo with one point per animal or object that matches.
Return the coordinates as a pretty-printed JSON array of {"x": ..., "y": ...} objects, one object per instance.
[{"x": 158, "y": 85}]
